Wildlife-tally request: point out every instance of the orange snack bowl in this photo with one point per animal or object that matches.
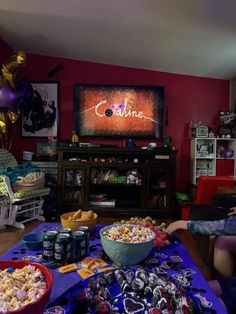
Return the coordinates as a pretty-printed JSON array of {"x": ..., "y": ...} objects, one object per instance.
[
  {"x": 38, "y": 306},
  {"x": 75, "y": 224}
]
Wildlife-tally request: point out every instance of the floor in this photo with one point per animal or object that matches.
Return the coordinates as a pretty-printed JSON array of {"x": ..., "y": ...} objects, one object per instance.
[{"x": 11, "y": 235}]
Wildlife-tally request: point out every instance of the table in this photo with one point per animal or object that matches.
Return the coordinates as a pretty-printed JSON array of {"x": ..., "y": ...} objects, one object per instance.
[{"x": 185, "y": 263}]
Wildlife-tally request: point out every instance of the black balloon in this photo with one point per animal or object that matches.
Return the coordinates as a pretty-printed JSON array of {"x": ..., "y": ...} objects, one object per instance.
[
  {"x": 26, "y": 88},
  {"x": 9, "y": 98}
]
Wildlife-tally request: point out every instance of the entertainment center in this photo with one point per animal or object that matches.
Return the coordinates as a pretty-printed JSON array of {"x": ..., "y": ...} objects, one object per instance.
[{"x": 117, "y": 182}]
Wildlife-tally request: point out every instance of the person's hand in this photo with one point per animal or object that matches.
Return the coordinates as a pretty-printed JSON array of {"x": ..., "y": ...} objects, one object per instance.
[
  {"x": 232, "y": 211},
  {"x": 179, "y": 224}
]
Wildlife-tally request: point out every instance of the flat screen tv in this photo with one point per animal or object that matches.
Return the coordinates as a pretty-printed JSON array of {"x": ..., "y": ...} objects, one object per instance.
[{"x": 118, "y": 111}]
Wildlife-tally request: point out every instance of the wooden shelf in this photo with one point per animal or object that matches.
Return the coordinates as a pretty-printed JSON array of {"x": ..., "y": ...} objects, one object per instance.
[{"x": 153, "y": 168}]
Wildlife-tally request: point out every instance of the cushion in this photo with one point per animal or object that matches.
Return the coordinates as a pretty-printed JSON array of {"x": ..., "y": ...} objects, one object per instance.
[{"x": 21, "y": 195}]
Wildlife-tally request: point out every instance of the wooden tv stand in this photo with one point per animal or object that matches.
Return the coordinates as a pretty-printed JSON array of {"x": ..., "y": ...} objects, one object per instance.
[{"x": 117, "y": 182}]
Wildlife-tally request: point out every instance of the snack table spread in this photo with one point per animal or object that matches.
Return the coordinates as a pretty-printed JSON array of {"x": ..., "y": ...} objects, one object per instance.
[{"x": 173, "y": 259}]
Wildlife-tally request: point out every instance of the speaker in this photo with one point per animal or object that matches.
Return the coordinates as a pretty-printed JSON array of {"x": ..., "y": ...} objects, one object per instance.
[
  {"x": 130, "y": 143},
  {"x": 58, "y": 68}
]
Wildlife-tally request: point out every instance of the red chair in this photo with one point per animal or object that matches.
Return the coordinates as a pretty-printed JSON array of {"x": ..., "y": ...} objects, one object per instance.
[{"x": 207, "y": 187}]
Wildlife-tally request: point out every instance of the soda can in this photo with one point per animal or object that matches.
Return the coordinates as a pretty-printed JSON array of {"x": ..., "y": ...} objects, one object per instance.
[
  {"x": 48, "y": 255},
  {"x": 62, "y": 249},
  {"x": 49, "y": 239},
  {"x": 78, "y": 245},
  {"x": 85, "y": 229},
  {"x": 66, "y": 230}
]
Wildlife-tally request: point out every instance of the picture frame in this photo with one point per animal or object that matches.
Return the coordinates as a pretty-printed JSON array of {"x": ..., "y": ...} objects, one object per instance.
[{"x": 40, "y": 116}]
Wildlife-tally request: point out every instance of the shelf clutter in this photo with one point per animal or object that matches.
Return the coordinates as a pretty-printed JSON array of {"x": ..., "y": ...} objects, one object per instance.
[
  {"x": 101, "y": 200},
  {"x": 112, "y": 176},
  {"x": 212, "y": 156}
]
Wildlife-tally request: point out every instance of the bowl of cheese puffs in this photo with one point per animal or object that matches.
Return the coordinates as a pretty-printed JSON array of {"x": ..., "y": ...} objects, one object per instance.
[{"x": 74, "y": 220}]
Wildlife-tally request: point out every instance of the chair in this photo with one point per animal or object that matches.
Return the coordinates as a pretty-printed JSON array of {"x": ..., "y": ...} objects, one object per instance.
[
  {"x": 18, "y": 207},
  {"x": 3, "y": 203},
  {"x": 204, "y": 209},
  {"x": 207, "y": 187}
]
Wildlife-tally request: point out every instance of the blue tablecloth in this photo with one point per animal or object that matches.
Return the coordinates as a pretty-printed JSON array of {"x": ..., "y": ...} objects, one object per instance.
[{"x": 62, "y": 282}]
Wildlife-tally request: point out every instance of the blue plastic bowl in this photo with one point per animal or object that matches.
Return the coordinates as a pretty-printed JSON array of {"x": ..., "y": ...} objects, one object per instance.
[
  {"x": 125, "y": 253},
  {"x": 33, "y": 241}
]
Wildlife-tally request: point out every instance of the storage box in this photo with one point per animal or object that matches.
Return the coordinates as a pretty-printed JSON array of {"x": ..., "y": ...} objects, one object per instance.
[
  {"x": 27, "y": 155},
  {"x": 46, "y": 149}
]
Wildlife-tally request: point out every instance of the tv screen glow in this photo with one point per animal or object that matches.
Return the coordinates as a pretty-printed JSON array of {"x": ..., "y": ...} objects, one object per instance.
[{"x": 125, "y": 111}]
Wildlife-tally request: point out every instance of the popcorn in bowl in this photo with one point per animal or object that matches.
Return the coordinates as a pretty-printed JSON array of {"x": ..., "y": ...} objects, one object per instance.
[
  {"x": 129, "y": 233},
  {"x": 25, "y": 287},
  {"x": 126, "y": 244}
]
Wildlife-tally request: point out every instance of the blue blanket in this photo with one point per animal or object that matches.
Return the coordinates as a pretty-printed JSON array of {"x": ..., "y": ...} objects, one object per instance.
[{"x": 19, "y": 171}]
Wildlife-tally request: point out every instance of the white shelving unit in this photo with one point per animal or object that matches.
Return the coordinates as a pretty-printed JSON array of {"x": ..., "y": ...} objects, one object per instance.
[{"x": 212, "y": 156}]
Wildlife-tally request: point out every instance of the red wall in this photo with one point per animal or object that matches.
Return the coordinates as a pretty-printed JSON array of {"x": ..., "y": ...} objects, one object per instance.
[
  {"x": 184, "y": 96},
  {"x": 5, "y": 51}
]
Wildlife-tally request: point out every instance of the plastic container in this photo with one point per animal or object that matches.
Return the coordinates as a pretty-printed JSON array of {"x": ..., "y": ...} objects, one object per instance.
[
  {"x": 46, "y": 149},
  {"x": 185, "y": 212}
]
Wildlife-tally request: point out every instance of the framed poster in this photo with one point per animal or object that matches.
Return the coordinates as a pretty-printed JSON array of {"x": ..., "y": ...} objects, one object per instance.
[{"x": 40, "y": 116}]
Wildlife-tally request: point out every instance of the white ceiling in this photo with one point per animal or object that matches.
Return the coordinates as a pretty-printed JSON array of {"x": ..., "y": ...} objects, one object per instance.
[{"x": 196, "y": 37}]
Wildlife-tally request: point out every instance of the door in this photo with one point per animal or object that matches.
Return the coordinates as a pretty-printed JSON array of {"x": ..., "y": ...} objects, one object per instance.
[{"x": 73, "y": 186}]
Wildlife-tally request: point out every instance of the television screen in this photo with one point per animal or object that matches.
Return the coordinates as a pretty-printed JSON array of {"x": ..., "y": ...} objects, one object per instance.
[{"x": 125, "y": 111}]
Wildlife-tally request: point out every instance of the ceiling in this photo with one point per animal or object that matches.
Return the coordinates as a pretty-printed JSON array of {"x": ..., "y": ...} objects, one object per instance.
[{"x": 196, "y": 37}]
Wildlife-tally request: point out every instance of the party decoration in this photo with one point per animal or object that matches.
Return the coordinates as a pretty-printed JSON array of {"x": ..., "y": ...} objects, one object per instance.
[
  {"x": 12, "y": 116},
  {"x": 2, "y": 123},
  {"x": 26, "y": 88},
  {"x": 9, "y": 99},
  {"x": 2, "y": 127},
  {"x": 2, "y": 117},
  {"x": 11, "y": 67}
]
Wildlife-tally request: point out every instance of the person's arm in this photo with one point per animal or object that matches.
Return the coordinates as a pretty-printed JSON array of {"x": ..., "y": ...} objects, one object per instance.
[
  {"x": 215, "y": 227},
  {"x": 177, "y": 225},
  {"x": 232, "y": 211}
]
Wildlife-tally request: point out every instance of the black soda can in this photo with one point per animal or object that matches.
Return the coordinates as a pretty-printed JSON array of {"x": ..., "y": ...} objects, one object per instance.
[
  {"x": 66, "y": 230},
  {"x": 62, "y": 249},
  {"x": 78, "y": 245},
  {"x": 85, "y": 229},
  {"x": 49, "y": 239}
]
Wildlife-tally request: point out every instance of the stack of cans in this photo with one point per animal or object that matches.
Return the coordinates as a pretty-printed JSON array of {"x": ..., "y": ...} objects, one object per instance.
[{"x": 65, "y": 246}]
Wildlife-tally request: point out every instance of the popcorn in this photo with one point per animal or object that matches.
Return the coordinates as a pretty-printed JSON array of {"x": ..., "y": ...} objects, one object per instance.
[
  {"x": 129, "y": 234},
  {"x": 19, "y": 287}
]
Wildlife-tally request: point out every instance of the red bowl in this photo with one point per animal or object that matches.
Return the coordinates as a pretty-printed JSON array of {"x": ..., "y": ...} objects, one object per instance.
[{"x": 39, "y": 306}]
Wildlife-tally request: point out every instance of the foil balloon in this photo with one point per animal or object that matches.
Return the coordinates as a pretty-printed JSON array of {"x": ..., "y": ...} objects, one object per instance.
[
  {"x": 2, "y": 117},
  {"x": 12, "y": 116},
  {"x": 9, "y": 99},
  {"x": 3, "y": 127},
  {"x": 11, "y": 67}
]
